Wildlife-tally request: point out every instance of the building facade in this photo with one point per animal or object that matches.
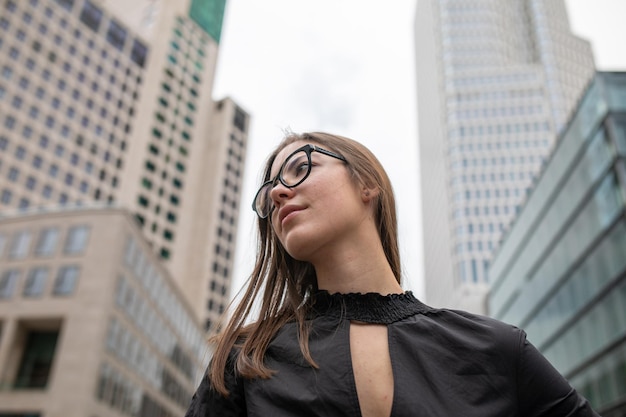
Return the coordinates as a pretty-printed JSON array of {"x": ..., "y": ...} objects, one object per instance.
[
  {"x": 112, "y": 101},
  {"x": 561, "y": 271},
  {"x": 91, "y": 323},
  {"x": 496, "y": 82}
]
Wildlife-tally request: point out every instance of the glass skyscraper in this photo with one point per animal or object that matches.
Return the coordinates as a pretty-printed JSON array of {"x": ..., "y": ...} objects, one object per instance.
[
  {"x": 561, "y": 271},
  {"x": 496, "y": 82}
]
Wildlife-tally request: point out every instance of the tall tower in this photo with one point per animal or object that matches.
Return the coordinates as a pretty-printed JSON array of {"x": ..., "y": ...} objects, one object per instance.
[
  {"x": 112, "y": 101},
  {"x": 496, "y": 82}
]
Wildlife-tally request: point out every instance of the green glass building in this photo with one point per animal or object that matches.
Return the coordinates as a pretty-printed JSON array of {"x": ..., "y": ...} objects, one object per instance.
[{"x": 560, "y": 272}]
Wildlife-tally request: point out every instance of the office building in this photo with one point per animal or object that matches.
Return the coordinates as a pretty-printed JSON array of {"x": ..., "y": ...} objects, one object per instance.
[
  {"x": 561, "y": 270},
  {"x": 496, "y": 82},
  {"x": 111, "y": 101},
  {"x": 91, "y": 323}
]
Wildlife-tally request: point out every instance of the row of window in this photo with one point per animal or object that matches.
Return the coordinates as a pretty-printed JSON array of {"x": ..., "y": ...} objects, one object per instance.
[
  {"x": 130, "y": 350},
  {"x": 494, "y": 161},
  {"x": 116, "y": 35},
  {"x": 485, "y": 112},
  {"x": 146, "y": 273},
  {"x": 36, "y": 282},
  {"x": 508, "y": 128},
  {"x": 472, "y": 228},
  {"x": 13, "y": 175},
  {"x": 47, "y": 242},
  {"x": 477, "y": 247},
  {"x": 509, "y": 143},
  {"x": 478, "y": 194},
  {"x": 66, "y": 66},
  {"x": 177, "y": 73},
  {"x": 490, "y": 95},
  {"x": 495, "y": 210},
  {"x": 92, "y": 119},
  {"x": 492, "y": 178},
  {"x": 144, "y": 316},
  {"x": 53, "y": 170},
  {"x": 122, "y": 394},
  {"x": 59, "y": 151},
  {"x": 473, "y": 270},
  {"x": 6, "y": 197},
  {"x": 133, "y": 350},
  {"x": 71, "y": 111}
]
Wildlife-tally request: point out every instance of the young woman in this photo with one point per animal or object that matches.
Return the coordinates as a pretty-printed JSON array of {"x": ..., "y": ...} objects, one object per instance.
[{"x": 336, "y": 335}]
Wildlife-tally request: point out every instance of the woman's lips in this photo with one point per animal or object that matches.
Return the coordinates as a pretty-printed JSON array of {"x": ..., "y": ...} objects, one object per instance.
[{"x": 287, "y": 211}]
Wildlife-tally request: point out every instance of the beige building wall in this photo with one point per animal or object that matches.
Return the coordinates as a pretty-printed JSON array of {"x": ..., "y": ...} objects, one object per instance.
[
  {"x": 97, "y": 368},
  {"x": 107, "y": 101}
]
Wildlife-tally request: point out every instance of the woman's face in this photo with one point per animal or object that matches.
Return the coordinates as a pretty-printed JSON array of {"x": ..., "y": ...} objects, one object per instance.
[{"x": 321, "y": 212}]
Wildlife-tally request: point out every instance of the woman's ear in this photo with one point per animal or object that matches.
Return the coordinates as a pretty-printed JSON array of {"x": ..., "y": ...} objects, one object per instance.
[{"x": 369, "y": 193}]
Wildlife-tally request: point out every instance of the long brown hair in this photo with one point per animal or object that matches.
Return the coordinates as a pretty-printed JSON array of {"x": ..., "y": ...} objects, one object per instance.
[{"x": 286, "y": 283}]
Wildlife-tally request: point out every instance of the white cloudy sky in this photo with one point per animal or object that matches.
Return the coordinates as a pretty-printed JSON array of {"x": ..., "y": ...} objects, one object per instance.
[{"x": 347, "y": 67}]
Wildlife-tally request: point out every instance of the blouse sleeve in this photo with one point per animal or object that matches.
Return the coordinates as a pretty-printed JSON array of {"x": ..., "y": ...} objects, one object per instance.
[
  {"x": 543, "y": 391},
  {"x": 207, "y": 402}
]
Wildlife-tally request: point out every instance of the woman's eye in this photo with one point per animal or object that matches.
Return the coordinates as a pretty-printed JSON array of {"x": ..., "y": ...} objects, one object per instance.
[{"x": 302, "y": 166}]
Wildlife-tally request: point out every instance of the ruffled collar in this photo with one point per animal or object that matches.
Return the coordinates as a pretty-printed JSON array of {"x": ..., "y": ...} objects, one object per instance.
[{"x": 369, "y": 307}]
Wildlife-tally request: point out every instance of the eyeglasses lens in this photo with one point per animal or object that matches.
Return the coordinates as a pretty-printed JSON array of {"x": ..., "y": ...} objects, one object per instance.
[
  {"x": 263, "y": 202},
  {"x": 296, "y": 168},
  {"x": 294, "y": 171}
]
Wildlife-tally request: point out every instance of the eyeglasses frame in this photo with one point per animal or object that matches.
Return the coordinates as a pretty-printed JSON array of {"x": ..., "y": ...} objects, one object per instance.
[{"x": 308, "y": 149}]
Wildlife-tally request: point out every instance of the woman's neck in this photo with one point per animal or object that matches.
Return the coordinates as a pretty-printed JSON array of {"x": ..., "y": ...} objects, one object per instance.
[{"x": 356, "y": 269}]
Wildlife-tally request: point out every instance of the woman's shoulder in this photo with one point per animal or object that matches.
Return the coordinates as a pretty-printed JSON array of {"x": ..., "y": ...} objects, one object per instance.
[{"x": 471, "y": 331}]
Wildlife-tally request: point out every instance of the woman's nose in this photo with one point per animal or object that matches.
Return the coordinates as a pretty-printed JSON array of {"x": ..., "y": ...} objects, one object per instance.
[{"x": 280, "y": 192}]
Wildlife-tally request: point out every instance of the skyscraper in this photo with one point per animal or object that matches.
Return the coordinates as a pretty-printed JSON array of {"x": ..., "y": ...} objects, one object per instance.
[
  {"x": 496, "y": 82},
  {"x": 112, "y": 101},
  {"x": 560, "y": 273}
]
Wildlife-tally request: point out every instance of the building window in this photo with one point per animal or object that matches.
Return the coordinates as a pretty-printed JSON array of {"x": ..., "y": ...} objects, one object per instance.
[
  {"x": 116, "y": 35},
  {"x": 7, "y": 72},
  {"x": 138, "y": 53},
  {"x": 24, "y": 203},
  {"x": 47, "y": 241},
  {"x": 6, "y": 196},
  {"x": 9, "y": 122},
  {"x": 17, "y": 102},
  {"x": 76, "y": 240},
  {"x": 53, "y": 170},
  {"x": 66, "y": 280},
  {"x": 47, "y": 191},
  {"x": 13, "y": 174},
  {"x": 3, "y": 241},
  {"x": 35, "y": 282},
  {"x": 8, "y": 282},
  {"x": 91, "y": 16},
  {"x": 20, "y": 152},
  {"x": 31, "y": 183},
  {"x": 20, "y": 244},
  {"x": 37, "y": 359}
]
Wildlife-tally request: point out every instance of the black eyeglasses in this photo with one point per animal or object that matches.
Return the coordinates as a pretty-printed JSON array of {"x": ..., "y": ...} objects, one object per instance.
[{"x": 292, "y": 173}]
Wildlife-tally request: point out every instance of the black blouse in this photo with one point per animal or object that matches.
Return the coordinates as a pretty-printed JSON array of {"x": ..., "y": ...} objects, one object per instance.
[{"x": 444, "y": 362}]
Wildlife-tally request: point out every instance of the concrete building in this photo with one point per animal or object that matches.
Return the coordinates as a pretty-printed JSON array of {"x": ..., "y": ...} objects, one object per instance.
[
  {"x": 112, "y": 101},
  {"x": 91, "y": 323},
  {"x": 496, "y": 82},
  {"x": 561, "y": 271}
]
